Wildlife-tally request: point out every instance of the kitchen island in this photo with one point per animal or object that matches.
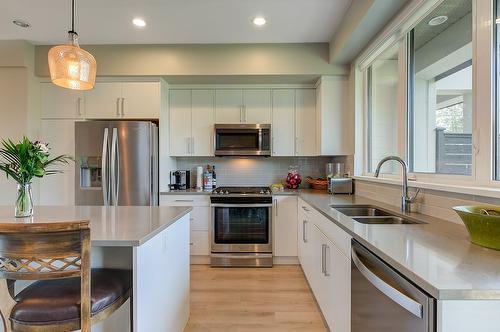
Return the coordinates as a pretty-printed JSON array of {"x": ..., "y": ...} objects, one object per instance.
[{"x": 152, "y": 241}]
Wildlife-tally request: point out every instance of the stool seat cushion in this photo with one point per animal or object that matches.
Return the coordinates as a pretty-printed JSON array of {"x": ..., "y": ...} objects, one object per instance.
[{"x": 57, "y": 301}]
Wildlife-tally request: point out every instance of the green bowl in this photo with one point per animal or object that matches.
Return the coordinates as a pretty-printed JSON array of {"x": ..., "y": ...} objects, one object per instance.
[{"x": 483, "y": 224}]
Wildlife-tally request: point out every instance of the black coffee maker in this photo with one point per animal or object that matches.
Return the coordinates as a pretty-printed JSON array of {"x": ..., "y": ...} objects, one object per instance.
[{"x": 180, "y": 180}]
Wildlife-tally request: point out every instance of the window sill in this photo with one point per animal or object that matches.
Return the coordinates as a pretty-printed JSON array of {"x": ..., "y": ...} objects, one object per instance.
[{"x": 467, "y": 190}]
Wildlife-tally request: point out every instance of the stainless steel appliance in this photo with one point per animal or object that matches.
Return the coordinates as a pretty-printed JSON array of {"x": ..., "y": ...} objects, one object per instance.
[
  {"x": 241, "y": 227},
  {"x": 117, "y": 163},
  {"x": 180, "y": 180},
  {"x": 340, "y": 185},
  {"x": 242, "y": 140},
  {"x": 384, "y": 301}
]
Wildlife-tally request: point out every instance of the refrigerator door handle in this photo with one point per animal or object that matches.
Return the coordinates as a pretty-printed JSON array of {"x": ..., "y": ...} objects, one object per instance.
[
  {"x": 114, "y": 176},
  {"x": 104, "y": 168}
]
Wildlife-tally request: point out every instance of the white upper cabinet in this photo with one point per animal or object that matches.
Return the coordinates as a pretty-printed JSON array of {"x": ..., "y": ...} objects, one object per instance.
[
  {"x": 59, "y": 189},
  {"x": 305, "y": 125},
  {"x": 229, "y": 106},
  {"x": 283, "y": 122},
  {"x": 123, "y": 100},
  {"x": 335, "y": 122},
  {"x": 61, "y": 103},
  {"x": 141, "y": 100},
  {"x": 180, "y": 123},
  {"x": 203, "y": 120},
  {"x": 104, "y": 101},
  {"x": 191, "y": 122},
  {"x": 243, "y": 106},
  {"x": 257, "y": 106}
]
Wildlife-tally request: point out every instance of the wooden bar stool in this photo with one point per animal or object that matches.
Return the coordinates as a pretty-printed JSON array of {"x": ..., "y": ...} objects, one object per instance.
[{"x": 67, "y": 295}]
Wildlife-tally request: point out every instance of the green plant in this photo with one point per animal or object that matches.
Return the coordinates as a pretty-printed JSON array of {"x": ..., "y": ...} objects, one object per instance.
[{"x": 25, "y": 160}]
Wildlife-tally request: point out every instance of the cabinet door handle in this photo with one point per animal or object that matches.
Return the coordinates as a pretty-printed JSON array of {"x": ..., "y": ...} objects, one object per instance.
[
  {"x": 192, "y": 145},
  {"x": 323, "y": 259},
  {"x": 79, "y": 106},
  {"x": 191, "y": 243},
  {"x": 123, "y": 106},
  {"x": 117, "y": 106},
  {"x": 245, "y": 113},
  {"x": 188, "y": 145},
  {"x": 241, "y": 113},
  {"x": 326, "y": 250},
  {"x": 304, "y": 231},
  {"x": 296, "y": 146},
  {"x": 276, "y": 207}
]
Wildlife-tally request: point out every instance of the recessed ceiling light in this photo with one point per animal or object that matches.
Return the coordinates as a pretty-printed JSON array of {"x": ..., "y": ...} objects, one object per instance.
[
  {"x": 259, "y": 21},
  {"x": 438, "y": 20},
  {"x": 139, "y": 22},
  {"x": 21, "y": 23}
]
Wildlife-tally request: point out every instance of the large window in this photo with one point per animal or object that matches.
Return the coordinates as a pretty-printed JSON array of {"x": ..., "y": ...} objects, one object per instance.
[
  {"x": 440, "y": 91},
  {"x": 382, "y": 100}
]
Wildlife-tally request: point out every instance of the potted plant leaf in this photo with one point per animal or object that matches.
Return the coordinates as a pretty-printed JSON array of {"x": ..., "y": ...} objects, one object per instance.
[{"x": 22, "y": 162}]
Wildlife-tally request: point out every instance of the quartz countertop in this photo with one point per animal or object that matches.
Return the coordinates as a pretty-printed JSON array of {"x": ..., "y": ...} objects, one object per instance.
[
  {"x": 109, "y": 226},
  {"x": 437, "y": 256}
]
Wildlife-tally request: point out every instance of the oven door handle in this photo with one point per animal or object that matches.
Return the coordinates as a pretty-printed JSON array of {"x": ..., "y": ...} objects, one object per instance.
[{"x": 242, "y": 205}]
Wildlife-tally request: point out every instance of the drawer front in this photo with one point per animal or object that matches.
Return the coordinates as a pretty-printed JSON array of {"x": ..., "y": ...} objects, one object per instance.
[
  {"x": 200, "y": 243},
  {"x": 200, "y": 218},
  {"x": 185, "y": 200}
]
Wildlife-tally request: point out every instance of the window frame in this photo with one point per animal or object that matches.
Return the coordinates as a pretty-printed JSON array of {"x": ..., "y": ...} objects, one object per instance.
[{"x": 484, "y": 103}]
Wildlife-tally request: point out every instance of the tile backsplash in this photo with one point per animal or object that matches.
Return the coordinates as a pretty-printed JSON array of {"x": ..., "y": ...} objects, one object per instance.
[{"x": 257, "y": 171}]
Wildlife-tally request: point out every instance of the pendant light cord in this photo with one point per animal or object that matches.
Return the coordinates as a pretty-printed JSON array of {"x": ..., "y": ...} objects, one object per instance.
[{"x": 72, "y": 16}]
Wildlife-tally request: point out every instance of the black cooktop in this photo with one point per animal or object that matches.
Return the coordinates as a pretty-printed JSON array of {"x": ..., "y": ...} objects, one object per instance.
[{"x": 242, "y": 191}]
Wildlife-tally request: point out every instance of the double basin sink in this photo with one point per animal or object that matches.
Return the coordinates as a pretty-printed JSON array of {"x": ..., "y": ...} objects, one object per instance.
[{"x": 372, "y": 215}]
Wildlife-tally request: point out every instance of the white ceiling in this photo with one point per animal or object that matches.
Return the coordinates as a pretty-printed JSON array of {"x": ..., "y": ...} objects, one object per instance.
[{"x": 174, "y": 21}]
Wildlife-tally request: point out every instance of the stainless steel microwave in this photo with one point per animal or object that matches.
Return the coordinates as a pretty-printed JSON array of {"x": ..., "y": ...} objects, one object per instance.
[{"x": 242, "y": 140}]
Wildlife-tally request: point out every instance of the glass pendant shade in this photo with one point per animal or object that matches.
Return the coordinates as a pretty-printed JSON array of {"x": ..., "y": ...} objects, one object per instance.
[{"x": 72, "y": 67}]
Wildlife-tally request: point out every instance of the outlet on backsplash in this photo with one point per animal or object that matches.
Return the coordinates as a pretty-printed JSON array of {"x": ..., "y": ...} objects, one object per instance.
[{"x": 257, "y": 171}]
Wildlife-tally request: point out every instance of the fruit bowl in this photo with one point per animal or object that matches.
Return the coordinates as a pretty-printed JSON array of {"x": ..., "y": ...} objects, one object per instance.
[{"x": 483, "y": 224}]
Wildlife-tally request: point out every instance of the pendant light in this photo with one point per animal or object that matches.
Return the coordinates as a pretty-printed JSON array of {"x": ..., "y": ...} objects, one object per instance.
[{"x": 70, "y": 66}]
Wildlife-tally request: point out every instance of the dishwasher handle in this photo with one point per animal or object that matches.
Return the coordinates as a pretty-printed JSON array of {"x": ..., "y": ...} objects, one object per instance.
[{"x": 404, "y": 301}]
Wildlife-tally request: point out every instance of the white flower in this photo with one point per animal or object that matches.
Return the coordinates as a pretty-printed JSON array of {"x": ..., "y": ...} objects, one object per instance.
[{"x": 43, "y": 147}]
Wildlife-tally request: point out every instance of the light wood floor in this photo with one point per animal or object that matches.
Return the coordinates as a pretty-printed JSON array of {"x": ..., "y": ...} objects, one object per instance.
[{"x": 241, "y": 300}]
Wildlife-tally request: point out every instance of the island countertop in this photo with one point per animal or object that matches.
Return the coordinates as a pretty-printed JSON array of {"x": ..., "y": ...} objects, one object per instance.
[{"x": 125, "y": 226}]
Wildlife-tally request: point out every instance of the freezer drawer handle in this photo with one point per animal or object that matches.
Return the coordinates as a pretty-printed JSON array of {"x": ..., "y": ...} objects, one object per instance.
[{"x": 404, "y": 301}]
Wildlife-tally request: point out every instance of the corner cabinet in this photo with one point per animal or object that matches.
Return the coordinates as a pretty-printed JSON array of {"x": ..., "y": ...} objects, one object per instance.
[
  {"x": 325, "y": 258},
  {"x": 191, "y": 123},
  {"x": 335, "y": 117}
]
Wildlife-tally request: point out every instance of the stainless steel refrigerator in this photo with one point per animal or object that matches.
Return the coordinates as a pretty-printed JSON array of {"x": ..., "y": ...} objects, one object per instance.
[{"x": 117, "y": 163}]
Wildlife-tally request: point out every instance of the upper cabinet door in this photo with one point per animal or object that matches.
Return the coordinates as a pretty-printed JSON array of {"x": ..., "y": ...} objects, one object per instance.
[
  {"x": 104, "y": 101},
  {"x": 60, "y": 103},
  {"x": 203, "y": 120},
  {"x": 257, "y": 106},
  {"x": 283, "y": 122},
  {"x": 229, "y": 106},
  {"x": 305, "y": 111},
  {"x": 180, "y": 123},
  {"x": 140, "y": 100}
]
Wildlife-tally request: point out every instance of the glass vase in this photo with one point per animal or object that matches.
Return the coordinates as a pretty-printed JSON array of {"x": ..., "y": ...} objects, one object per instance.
[{"x": 24, "y": 201}]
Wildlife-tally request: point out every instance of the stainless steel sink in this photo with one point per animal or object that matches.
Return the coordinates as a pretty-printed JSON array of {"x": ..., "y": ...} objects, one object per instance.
[
  {"x": 387, "y": 220},
  {"x": 360, "y": 210},
  {"x": 372, "y": 215}
]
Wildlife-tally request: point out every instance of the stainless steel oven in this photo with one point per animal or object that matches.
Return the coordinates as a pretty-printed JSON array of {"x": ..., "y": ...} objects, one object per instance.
[
  {"x": 241, "y": 229},
  {"x": 242, "y": 140}
]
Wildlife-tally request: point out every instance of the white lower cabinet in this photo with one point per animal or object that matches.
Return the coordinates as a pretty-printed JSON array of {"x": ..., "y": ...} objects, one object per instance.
[
  {"x": 285, "y": 226},
  {"x": 326, "y": 266},
  {"x": 199, "y": 223}
]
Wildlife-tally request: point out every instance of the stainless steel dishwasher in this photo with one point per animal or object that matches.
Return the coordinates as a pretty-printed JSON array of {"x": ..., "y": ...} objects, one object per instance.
[{"x": 384, "y": 301}]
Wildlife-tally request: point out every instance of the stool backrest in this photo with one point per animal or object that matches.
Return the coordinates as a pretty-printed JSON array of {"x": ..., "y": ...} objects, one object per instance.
[{"x": 40, "y": 251}]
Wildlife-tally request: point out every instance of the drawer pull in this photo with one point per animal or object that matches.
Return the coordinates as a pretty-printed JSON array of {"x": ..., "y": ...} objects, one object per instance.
[
  {"x": 305, "y": 209},
  {"x": 185, "y": 200}
]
